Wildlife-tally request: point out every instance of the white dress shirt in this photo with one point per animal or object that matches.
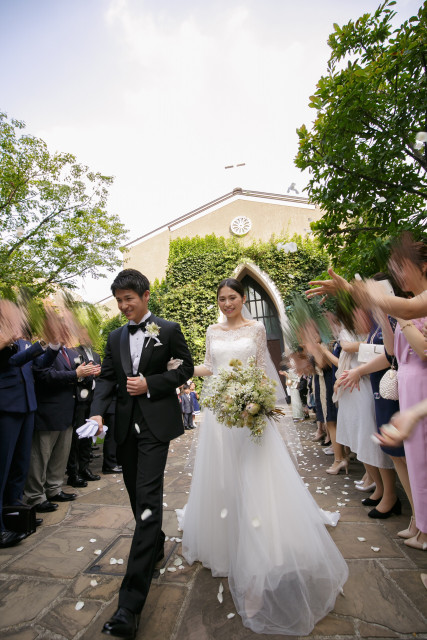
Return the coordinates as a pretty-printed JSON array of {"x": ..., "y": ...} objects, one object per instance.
[{"x": 136, "y": 344}]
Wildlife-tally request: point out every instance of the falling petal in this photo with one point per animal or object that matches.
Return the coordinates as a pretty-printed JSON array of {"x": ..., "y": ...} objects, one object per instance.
[
  {"x": 80, "y": 549},
  {"x": 99, "y": 488},
  {"x": 221, "y": 588},
  {"x": 375, "y": 548},
  {"x": 146, "y": 514},
  {"x": 113, "y": 561},
  {"x": 166, "y": 538},
  {"x": 256, "y": 523},
  {"x": 224, "y": 513},
  {"x": 230, "y": 615},
  {"x": 421, "y": 136},
  {"x": 171, "y": 569},
  {"x": 220, "y": 598},
  {"x": 137, "y": 429},
  {"x": 162, "y": 571},
  {"x": 93, "y": 583},
  {"x": 79, "y": 605},
  {"x": 165, "y": 504},
  {"x": 92, "y": 540}
]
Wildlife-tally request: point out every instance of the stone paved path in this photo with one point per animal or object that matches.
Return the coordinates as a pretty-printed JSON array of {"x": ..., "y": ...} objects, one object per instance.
[{"x": 43, "y": 578}]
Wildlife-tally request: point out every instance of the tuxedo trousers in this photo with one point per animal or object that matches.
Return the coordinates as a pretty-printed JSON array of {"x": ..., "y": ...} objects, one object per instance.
[
  {"x": 143, "y": 458},
  {"x": 81, "y": 448},
  {"x": 16, "y": 432}
]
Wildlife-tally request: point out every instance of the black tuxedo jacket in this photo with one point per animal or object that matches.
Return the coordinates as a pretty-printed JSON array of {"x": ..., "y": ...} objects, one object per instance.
[{"x": 161, "y": 410}]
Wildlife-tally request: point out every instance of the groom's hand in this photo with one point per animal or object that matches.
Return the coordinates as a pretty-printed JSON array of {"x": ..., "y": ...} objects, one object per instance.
[
  {"x": 98, "y": 419},
  {"x": 136, "y": 386}
]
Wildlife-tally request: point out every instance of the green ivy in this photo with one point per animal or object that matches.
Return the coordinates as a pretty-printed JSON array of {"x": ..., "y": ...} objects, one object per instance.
[{"x": 196, "y": 265}]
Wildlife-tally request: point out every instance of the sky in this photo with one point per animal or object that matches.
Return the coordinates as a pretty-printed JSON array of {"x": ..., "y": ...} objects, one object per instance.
[{"x": 163, "y": 94}]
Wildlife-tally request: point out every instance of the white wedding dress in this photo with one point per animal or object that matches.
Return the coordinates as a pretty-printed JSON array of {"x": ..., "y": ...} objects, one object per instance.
[{"x": 250, "y": 517}]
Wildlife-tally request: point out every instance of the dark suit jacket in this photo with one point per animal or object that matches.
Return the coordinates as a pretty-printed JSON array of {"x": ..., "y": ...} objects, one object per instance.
[
  {"x": 87, "y": 383},
  {"x": 56, "y": 393},
  {"x": 161, "y": 410},
  {"x": 17, "y": 394}
]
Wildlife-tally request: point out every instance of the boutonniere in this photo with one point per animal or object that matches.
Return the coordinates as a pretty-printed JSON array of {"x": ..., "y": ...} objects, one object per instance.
[
  {"x": 152, "y": 330},
  {"x": 78, "y": 360}
]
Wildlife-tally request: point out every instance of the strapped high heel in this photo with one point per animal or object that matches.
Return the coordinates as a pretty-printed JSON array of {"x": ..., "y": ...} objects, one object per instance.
[{"x": 336, "y": 467}]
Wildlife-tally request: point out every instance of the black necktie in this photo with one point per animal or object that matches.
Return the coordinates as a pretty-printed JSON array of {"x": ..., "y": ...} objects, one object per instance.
[{"x": 133, "y": 328}]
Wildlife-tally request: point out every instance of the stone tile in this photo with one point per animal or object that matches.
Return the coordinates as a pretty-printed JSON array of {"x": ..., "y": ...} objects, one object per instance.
[
  {"x": 371, "y": 597},
  {"x": 22, "y": 634},
  {"x": 375, "y": 631},
  {"x": 345, "y": 536},
  {"x": 410, "y": 583},
  {"x": 178, "y": 482},
  {"x": 118, "y": 550},
  {"x": 106, "y": 588},
  {"x": 110, "y": 494},
  {"x": 23, "y": 600},
  {"x": 57, "y": 556},
  {"x": 170, "y": 524},
  {"x": 354, "y": 514},
  {"x": 105, "y": 516},
  {"x": 394, "y": 563},
  {"x": 333, "y": 626},
  {"x": 65, "y": 620},
  {"x": 158, "y": 618},
  {"x": 175, "y": 500}
]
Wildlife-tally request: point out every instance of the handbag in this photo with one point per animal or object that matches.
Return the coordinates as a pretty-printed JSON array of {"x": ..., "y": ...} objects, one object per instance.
[
  {"x": 368, "y": 352},
  {"x": 21, "y": 519},
  {"x": 388, "y": 384}
]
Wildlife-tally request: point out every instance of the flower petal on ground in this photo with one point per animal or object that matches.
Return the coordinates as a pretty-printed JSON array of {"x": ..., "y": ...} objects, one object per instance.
[
  {"x": 375, "y": 549},
  {"x": 80, "y": 604},
  {"x": 93, "y": 583},
  {"x": 171, "y": 569},
  {"x": 230, "y": 615},
  {"x": 221, "y": 588},
  {"x": 113, "y": 561},
  {"x": 362, "y": 539},
  {"x": 220, "y": 598},
  {"x": 80, "y": 549}
]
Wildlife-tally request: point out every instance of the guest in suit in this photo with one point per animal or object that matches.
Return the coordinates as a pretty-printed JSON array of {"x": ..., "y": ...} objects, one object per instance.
[
  {"x": 187, "y": 407},
  {"x": 78, "y": 461},
  {"x": 148, "y": 416},
  {"x": 17, "y": 408},
  {"x": 56, "y": 395}
]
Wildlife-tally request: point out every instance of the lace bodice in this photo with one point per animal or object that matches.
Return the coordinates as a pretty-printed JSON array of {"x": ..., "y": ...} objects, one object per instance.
[{"x": 223, "y": 345}]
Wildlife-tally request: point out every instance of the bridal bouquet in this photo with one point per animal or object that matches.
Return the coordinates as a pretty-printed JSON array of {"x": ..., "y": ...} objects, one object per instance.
[{"x": 243, "y": 396}]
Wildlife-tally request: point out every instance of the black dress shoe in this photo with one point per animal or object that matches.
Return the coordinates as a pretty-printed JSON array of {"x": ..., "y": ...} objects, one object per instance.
[
  {"x": 116, "y": 469},
  {"x": 10, "y": 538},
  {"x": 39, "y": 521},
  {"x": 46, "y": 506},
  {"x": 76, "y": 481},
  {"x": 396, "y": 509},
  {"x": 123, "y": 624},
  {"x": 87, "y": 474},
  {"x": 64, "y": 497},
  {"x": 368, "y": 502}
]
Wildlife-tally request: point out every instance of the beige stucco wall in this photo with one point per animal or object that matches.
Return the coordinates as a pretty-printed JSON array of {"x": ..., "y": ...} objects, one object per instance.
[{"x": 150, "y": 256}]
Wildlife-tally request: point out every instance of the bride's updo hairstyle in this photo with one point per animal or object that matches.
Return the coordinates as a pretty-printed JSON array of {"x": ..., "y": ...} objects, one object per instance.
[{"x": 232, "y": 283}]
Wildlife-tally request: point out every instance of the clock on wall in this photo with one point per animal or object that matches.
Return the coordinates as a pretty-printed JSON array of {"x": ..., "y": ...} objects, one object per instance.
[{"x": 240, "y": 225}]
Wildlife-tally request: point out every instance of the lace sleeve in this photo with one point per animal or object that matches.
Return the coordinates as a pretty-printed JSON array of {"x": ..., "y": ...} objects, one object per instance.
[
  {"x": 208, "y": 355},
  {"x": 261, "y": 345}
]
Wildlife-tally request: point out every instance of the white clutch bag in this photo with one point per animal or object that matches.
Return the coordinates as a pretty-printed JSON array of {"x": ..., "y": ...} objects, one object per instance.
[{"x": 368, "y": 352}]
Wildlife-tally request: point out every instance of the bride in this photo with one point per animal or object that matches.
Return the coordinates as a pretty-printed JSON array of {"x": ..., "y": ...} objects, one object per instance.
[{"x": 249, "y": 516}]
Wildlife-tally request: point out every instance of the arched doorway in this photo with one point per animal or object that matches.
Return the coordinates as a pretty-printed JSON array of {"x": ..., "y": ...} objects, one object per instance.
[{"x": 262, "y": 308}]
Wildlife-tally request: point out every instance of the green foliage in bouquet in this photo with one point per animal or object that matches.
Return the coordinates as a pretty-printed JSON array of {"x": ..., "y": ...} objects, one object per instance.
[{"x": 243, "y": 396}]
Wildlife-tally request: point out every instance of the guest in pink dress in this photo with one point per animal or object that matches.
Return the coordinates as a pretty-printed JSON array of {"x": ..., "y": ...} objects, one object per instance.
[{"x": 409, "y": 266}]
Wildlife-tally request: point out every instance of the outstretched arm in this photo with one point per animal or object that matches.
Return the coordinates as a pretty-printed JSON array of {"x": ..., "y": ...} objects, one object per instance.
[{"x": 161, "y": 384}]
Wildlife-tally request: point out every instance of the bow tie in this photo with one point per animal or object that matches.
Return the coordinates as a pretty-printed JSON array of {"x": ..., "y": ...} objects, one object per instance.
[{"x": 133, "y": 328}]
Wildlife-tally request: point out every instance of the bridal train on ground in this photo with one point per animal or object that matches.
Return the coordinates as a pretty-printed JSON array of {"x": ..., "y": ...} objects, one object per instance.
[{"x": 250, "y": 517}]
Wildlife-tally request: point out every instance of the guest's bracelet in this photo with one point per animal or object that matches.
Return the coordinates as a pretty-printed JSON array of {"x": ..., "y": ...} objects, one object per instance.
[{"x": 408, "y": 324}]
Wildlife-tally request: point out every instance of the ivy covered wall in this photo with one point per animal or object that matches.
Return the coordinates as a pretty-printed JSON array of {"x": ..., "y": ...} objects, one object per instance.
[{"x": 196, "y": 265}]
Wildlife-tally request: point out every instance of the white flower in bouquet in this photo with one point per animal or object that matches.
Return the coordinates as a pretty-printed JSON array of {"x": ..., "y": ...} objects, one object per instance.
[{"x": 243, "y": 396}]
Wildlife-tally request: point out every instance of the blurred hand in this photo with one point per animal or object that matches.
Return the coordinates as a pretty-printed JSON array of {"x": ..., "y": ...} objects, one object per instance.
[
  {"x": 136, "y": 386},
  {"x": 86, "y": 370},
  {"x": 98, "y": 419},
  {"x": 327, "y": 288}
]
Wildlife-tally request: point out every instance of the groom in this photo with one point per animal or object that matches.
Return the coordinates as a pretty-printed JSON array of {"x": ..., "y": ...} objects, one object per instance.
[{"x": 148, "y": 416}]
